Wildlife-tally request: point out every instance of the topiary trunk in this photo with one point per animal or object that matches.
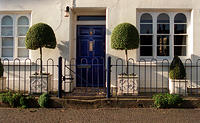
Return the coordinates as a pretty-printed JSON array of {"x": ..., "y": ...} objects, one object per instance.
[
  {"x": 126, "y": 58},
  {"x": 40, "y": 60}
]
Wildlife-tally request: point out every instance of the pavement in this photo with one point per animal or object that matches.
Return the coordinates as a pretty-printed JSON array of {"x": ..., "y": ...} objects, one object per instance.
[{"x": 100, "y": 115}]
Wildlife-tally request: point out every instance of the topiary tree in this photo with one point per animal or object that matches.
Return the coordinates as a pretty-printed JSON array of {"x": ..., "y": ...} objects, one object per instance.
[
  {"x": 177, "y": 69},
  {"x": 38, "y": 36},
  {"x": 125, "y": 36},
  {"x": 1, "y": 69}
]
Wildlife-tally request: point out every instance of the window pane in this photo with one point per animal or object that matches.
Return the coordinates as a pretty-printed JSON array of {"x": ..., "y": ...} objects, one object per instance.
[
  {"x": 7, "y": 31},
  {"x": 163, "y": 28},
  {"x": 162, "y": 40},
  {"x": 179, "y": 50},
  {"x": 146, "y": 40},
  {"x": 23, "y": 52},
  {"x": 7, "y": 20},
  {"x": 146, "y": 51},
  {"x": 163, "y": 50},
  {"x": 180, "y": 39},
  {"x": 22, "y": 31},
  {"x": 23, "y": 20},
  {"x": 7, "y": 41},
  {"x": 180, "y": 28},
  {"x": 146, "y": 28},
  {"x": 146, "y": 18},
  {"x": 163, "y": 18},
  {"x": 7, "y": 52},
  {"x": 180, "y": 18},
  {"x": 21, "y": 42}
]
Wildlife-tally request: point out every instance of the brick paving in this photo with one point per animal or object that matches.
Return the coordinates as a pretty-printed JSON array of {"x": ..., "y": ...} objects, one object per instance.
[{"x": 104, "y": 115}]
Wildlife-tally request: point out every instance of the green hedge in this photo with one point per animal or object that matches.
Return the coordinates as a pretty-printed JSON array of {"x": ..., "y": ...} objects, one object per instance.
[{"x": 17, "y": 100}]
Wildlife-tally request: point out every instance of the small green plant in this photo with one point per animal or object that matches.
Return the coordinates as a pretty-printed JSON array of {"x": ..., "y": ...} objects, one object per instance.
[
  {"x": 167, "y": 100},
  {"x": 177, "y": 69},
  {"x": 5, "y": 97},
  {"x": 44, "y": 100},
  {"x": 16, "y": 99}
]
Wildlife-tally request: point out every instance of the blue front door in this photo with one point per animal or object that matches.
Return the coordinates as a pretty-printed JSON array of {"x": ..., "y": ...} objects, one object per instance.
[{"x": 90, "y": 56}]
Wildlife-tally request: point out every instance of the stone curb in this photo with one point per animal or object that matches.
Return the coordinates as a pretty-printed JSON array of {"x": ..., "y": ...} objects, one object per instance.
[
  {"x": 112, "y": 103},
  {"x": 116, "y": 103}
]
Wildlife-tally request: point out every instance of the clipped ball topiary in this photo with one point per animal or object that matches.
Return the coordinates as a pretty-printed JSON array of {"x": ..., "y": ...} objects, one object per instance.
[
  {"x": 177, "y": 69},
  {"x": 125, "y": 36},
  {"x": 38, "y": 36},
  {"x": 1, "y": 69}
]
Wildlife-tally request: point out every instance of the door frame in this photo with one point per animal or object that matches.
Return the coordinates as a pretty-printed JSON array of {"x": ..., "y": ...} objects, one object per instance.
[{"x": 73, "y": 26}]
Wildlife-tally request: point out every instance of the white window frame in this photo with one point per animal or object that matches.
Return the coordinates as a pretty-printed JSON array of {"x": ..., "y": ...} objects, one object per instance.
[
  {"x": 15, "y": 18},
  {"x": 171, "y": 15}
]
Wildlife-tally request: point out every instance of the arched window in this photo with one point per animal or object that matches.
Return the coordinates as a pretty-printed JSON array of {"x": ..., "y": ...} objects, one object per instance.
[
  {"x": 180, "y": 18},
  {"x": 7, "y": 36},
  {"x": 146, "y": 35},
  {"x": 23, "y": 20},
  {"x": 163, "y": 35},
  {"x": 180, "y": 34},
  {"x": 22, "y": 28},
  {"x": 146, "y": 18}
]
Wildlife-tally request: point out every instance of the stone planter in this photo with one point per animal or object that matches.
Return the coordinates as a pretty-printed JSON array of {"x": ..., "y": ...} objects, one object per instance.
[
  {"x": 40, "y": 83},
  {"x": 127, "y": 85},
  {"x": 3, "y": 83},
  {"x": 178, "y": 86}
]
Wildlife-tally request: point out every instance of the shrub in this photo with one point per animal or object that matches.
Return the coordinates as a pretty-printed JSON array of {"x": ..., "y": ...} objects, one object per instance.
[
  {"x": 4, "y": 97},
  {"x": 1, "y": 69},
  {"x": 16, "y": 100},
  {"x": 125, "y": 36},
  {"x": 167, "y": 100},
  {"x": 177, "y": 69},
  {"x": 174, "y": 100},
  {"x": 38, "y": 36},
  {"x": 43, "y": 100}
]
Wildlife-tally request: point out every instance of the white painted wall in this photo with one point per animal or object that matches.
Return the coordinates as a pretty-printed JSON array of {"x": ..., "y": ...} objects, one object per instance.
[{"x": 116, "y": 11}]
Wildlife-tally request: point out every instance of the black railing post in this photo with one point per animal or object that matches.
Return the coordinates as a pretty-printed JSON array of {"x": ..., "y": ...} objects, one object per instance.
[
  {"x": 108, "y": 76},
  {"x": 60, "y": 77}
]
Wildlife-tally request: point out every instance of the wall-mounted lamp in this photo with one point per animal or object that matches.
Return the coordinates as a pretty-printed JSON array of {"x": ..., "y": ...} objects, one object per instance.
[{"x": 67, "y": 11}]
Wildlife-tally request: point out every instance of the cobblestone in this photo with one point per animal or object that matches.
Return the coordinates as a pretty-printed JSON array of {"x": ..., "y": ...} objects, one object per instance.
[{"x": 104, "y": 115}]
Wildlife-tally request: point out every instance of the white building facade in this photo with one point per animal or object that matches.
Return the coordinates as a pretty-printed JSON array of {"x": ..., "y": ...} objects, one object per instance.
[{"x": 167, "y": 28}]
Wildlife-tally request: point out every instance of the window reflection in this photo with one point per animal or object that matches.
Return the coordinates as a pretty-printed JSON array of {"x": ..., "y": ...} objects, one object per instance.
[
  {"x": 163, "y": 45},
  {"x": 146, "y": 29}
]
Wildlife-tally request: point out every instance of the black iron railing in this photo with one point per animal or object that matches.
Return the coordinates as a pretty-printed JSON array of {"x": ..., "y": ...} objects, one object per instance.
[{"x": 92, "y": 77}]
